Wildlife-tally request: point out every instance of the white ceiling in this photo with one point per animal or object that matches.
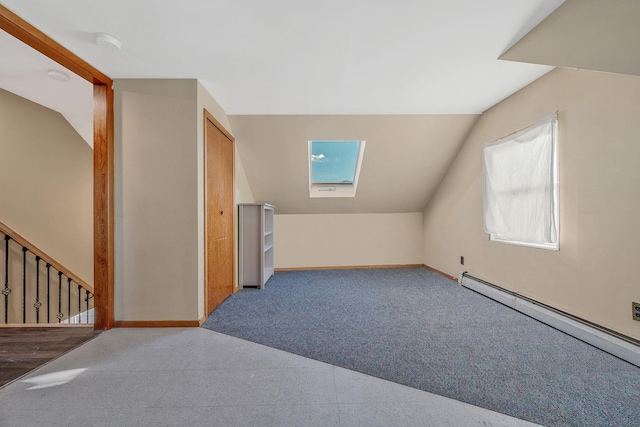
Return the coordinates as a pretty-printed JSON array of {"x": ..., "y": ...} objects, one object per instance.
[
  {"x": 295, "y": 56},
  {"x": 23, "y": 71}
]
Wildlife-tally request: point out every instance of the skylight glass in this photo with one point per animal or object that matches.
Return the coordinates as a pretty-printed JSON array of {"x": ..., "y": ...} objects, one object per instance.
[{"x": 334, "y": 162}]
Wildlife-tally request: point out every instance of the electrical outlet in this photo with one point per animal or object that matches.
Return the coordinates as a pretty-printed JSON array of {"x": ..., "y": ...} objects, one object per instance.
[
  {"x": 461, "y": 260},
  {"x": 636, "y": 310}
]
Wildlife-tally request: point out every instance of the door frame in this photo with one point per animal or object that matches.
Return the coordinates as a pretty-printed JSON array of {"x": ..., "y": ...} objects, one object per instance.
[
  {"x": 234, "y": 287},
  {"x": 103, "y": 227}
]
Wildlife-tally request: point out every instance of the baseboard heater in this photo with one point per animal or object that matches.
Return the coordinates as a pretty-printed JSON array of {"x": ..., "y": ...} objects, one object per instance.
[{"x": 619, "y": 346}]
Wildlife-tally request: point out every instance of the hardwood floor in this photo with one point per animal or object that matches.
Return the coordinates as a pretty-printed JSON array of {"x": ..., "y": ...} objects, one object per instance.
[{"x": 23, "y": 349}]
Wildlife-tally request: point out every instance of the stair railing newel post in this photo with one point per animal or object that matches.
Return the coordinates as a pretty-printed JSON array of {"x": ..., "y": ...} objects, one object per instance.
[{"x": 7, "y": 290}]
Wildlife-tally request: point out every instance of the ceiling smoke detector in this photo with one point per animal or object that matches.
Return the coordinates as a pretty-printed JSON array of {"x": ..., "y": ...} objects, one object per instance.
[
  {"x": 58, "y": 75},
  {"x": 108, "y": 41}
]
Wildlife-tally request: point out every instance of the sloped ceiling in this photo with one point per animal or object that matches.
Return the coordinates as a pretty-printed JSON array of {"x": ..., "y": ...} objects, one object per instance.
[
  {"x": 308, "y": 56},
  {"x": 405, "y": 158},
  {"x": 409, "y": 77},
  {"x": 588, "y": 34},
  {"x": 23, "y": 71}
]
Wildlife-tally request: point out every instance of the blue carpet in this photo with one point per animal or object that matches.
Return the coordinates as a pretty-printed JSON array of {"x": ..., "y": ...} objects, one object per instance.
[{"x": 417, "y": 328}]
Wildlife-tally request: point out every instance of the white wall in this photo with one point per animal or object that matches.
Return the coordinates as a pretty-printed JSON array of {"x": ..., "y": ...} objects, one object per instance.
[
  {"x": 330, "y": 240},
  {"x": 592, "y": 276}
]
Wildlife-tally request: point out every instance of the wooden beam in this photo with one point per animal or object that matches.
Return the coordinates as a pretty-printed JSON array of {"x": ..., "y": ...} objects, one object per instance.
[
  {"x": 103, "y": 155},
  {"x": 103, "y": 227},
  {"x": 27, "y": 33}
]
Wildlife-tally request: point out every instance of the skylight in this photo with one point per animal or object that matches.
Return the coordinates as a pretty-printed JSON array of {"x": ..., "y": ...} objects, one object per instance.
[
  {"x": 334, "y": 162},
  {"x": 334, "y": 167}
]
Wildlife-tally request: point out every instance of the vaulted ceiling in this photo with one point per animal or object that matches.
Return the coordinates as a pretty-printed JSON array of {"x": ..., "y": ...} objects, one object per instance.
[
  {"x": 307, "y": 56},
  {"x": 410, "y": 77}
]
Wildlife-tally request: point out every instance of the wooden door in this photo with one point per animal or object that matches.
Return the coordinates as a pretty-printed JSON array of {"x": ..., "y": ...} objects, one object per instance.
[{"x": 219, "y": 240}]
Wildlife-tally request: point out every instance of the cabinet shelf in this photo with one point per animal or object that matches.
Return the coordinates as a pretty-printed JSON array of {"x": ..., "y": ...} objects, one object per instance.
[{"x": 255, "y": 261}]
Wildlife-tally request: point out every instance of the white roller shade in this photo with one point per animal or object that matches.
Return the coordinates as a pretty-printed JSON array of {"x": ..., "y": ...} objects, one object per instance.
[{"x": 520, "y": 191}]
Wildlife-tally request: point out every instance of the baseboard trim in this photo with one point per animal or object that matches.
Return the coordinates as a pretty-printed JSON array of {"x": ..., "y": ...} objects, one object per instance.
[
  {"x": 619, "y": 345},
  {"x": 348, "y": 267},
  {"x": 46, "y": 325},
  {"x": 158, "y": 323},
  {"x": 455, "y": 279}
]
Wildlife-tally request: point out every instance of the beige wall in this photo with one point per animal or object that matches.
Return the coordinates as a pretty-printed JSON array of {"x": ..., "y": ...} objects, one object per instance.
[
  {"x": 156, "y": 200},
  {"x": 159, "y": 197},
  {"x": 46, "y": 183},
  {"x": 592, "y": 275},
  {"x": 585, "y": 34},
  {"x": 327, "y": 240},
  {"x": 405, "y": 158}
]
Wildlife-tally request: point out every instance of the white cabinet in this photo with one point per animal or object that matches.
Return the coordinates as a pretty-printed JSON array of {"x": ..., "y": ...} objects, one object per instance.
[{"x": 255, "y": 257}]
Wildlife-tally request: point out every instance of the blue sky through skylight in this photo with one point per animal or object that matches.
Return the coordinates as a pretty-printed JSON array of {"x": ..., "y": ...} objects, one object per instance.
[{"x": 334, "y": 162}]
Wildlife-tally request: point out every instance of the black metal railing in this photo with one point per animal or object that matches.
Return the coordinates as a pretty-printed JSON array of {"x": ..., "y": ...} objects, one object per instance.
[{"x": 24, "y": 304}]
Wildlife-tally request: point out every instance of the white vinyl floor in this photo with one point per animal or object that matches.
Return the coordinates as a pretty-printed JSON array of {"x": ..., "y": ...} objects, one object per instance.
[{"x": 197, "y": 377}]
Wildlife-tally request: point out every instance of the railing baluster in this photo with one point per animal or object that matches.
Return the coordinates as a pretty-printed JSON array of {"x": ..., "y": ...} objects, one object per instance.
[
  {"x": 48, "y": 283},
  {"x": 6, "y": 291},
  {"x": 79, "y": 307},
  {"x": 24, "y": 284},
  {"x": 87, "y": 306},
  {"x": 59, "y": 316},
  {"x": 69, "y": 302},
  {"x": 38, "y": 304}
]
